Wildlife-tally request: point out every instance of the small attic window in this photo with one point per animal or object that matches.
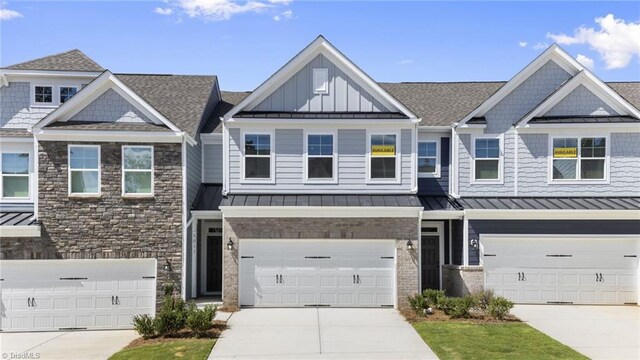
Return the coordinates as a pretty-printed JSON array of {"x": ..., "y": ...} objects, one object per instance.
[{"x": 320, "y": 81}]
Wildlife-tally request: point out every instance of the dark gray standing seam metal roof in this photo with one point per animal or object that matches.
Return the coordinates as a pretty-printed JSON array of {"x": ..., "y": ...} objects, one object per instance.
[
  {"x": 72, "y": 60},
  {"x": 435, "y": 203},
  {"x": 583, "y": 119},
  {"x": 17, "y": 218},
  {"x": 550, "y": 203}
]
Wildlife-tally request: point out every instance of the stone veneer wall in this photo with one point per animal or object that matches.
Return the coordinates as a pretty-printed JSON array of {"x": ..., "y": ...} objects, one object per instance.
[
  {"x": 324, "y": 228},
  {"x": 109, "y": 226},
  {"x": 458, "y": 280}
]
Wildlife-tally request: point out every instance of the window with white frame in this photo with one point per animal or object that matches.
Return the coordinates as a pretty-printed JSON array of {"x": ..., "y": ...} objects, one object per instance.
[
  {"x": 15, "y": 175},
  {"x": 320, "y": 81},
  {"x": 487, "y": 159},
  {"x": 43, "y": 94},
  {"x": 320, "y": 156},
  {"x": 383, "y": 156},
  {"x": 428, "y": 158},
  {"x": 84, "y": 169},
  {"x": 257, "y": 156},
  {"x": 66, "y": 92},
  {"x": 579, "y": 158},
  {"x": 137, "y": 170}
]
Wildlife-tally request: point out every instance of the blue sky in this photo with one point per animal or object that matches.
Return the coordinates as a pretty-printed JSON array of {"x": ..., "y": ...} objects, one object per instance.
[{"x": 243, "y": 43}]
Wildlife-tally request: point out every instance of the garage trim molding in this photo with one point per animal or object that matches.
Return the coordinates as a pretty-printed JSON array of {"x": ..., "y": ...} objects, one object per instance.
[
  {"x": 319, "y": 211},
  {"x": 20, "y": 231},
  {"x": 547, "y": 214}
]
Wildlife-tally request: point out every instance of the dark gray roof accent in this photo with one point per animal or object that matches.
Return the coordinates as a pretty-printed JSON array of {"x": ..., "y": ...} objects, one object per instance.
[
  {"x": 180, "y": 98},
  {"x": 15, "y": 132},
  {"x": 229, "y": 100},
  {"x": 551, "y": 203},
  {"x": 107, "y": 125},
  {"x": 481, "y": 120},
  {"x": 72, "y": 60},
  {"x": 582, "y": 119},
  {"x": 209, "y": 197},
  {"x": 439, "y": 203},
  {"x": 320, "y": 115},
  {"x": 17, "y": 218}
]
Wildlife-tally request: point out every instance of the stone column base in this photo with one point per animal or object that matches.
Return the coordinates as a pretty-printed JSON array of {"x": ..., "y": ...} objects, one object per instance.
[{"x": 458, "y": 280}]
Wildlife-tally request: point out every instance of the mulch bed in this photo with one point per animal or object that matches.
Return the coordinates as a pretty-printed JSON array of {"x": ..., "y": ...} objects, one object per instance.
[
  {"x": 439, "y": 315},
  {"x": 214, "y": 333}
]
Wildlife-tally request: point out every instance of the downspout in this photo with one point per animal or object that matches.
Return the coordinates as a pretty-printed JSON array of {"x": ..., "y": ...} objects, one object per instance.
[
  {"x": 183, "y": 280},
  {"x": 515, "y": 161},
  {"x": 36, "y": 170}
]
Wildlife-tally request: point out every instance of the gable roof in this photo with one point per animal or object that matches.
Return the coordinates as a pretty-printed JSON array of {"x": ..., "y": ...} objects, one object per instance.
[
  {"x": 72, "y": 60},
  {"x": 228, "y": 101}
]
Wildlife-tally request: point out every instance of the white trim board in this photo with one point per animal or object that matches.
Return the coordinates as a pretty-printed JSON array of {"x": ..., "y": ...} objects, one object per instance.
[
  {"x": 20, "y": 231},
  {"x": 319, "y": 211},
  {"x": 486, "y": 214}
]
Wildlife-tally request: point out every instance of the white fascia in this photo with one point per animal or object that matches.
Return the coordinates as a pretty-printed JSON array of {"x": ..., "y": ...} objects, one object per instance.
[
  {"x": 324, "y": 124},
  {"x": 49, "y": 73},
  {"x": 319, "y": 212},
  {"x": 211, "y": 138},
  {"x": 115, "y": 136},
  {"x": 20, "y": 231},
  {"x": 492, "y": 214}
]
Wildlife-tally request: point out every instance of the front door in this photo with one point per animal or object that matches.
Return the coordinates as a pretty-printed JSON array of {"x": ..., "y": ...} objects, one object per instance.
[
  {"x": 430, "y": 262},
  {"x": 213, "y": 267}
]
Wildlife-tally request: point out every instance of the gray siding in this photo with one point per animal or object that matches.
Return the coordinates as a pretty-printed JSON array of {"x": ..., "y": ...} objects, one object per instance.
[
  {"x": 297, "y": 93},
  {"x": 194, "y": 171},
  {"x": 581, "y": 101},
  {"x": 111, "y": 107},
  {"x": 213, "y": 160},
  {"x": 438, "y": 186},
  {"x": 352, "y": 164},
  {"x": 15, "y": 107}
]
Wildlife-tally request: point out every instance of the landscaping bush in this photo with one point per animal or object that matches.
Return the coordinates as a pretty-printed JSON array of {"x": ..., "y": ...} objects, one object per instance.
[
  {"x": 499, "y": 307},
  {"x": 171, "y": 318},
  {"x": 458, "y": 307},
  {"x": 144, "y": 325},
  {"x": 434, "y": 297},
  {"x": 168, "y": 289},
  {"x": 200, "y": 320},
  {"x": 483, "y": 298},
  {"x": 418, "y": 303}
]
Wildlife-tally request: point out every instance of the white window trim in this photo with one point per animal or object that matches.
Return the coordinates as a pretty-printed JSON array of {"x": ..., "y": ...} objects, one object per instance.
[
  {"x": 72, "y": 194},
  {"x": 398, "y": 178},
  {"x": 66, "y": 86},
  {"x": 577, "y": 180},
  {"x": 435, "y": 174},
  {"x": 272, "y": 163},
  {"x": 152, "y": 171},
  {"x": 317, "y": 72},
  {"x": 54, "y": 96},
  {"x": 29, "y": 176},
  {"x": 305, "y": 167},
  {"x": 500, "y": 179}
]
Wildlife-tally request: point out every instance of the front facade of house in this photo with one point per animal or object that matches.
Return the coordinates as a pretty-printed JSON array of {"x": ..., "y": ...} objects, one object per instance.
[{"x": 321, "y": 187}]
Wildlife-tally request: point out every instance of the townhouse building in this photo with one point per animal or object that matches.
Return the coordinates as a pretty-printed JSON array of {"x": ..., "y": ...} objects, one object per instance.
[{"x": 321, "y": 187}]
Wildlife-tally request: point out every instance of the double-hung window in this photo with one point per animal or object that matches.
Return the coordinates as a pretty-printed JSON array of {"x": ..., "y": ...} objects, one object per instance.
[
  {"x": 487, "y": 159},
  {"x": 383, "y": 153},
  {"x": 84, "y": 169},
  {"x": 428, "y": 159},
  {"x": 15, "y": 175},
  {"x": 576, "y": 158},
  {"x": 66, "y": 92},
  {"x": 137, "y": 170},
  {"x": 257, "y": 156},
  {"x": 320, "y": 157},
  {"x": 43, "y": 94}
]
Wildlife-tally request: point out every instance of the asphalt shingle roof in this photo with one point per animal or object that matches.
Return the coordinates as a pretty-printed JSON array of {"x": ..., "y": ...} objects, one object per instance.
[
  {"x": 107, "y": 125},
  {"x": 72, "y": 60},
  {"x": 229, "y": 100}
]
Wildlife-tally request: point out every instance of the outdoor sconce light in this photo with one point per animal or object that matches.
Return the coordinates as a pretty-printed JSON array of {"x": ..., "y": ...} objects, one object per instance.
[
  {"x": 473, "y": 243},
  {"x": 167, "y": 266},
  {"x": 409, "y": 245},
  {"x": 230, "y": 244}
]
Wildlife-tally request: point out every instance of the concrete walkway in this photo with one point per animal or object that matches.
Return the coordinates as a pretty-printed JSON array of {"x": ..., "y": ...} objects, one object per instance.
[
  {"x": 312, "y": 333},
  {"x": 64, "y": 345},
  {"x": 599, "y": 332}
]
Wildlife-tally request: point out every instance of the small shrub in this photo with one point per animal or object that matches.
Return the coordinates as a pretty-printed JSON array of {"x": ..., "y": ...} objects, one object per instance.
[
  {"x": 171, "y": 318},
  {"x": 483, "y": 298},
  {"x": 167, "y": 289},
  {"x": 418, "y": 303},
  {"x": 200, "y": 320},
  {"x": 434, "y": 297},
  {"x": 144, "y": 326},
  {"x": 499, "y": 307},
  {"x": 458, "y": 307}
]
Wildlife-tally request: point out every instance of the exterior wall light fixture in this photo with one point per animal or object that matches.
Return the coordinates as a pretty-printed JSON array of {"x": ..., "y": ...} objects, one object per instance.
[
  {"x": 473, "y": 243},
  {"x": 167, "y": 266},
  {"x": 409, "y": 245},
  {"x": 230, "y": 244}
]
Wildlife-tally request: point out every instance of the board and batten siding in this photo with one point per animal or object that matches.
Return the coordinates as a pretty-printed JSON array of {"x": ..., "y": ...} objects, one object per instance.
[
  {"x": 289, "y": 166},
  {"x": 213, "y": 164},
  {"x": 344, "y": 94}
]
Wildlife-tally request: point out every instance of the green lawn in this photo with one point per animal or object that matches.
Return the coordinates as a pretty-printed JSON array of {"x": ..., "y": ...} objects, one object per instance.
[
  {"x": 462, "y": 340},
  {"x": 187, "y": 349}
]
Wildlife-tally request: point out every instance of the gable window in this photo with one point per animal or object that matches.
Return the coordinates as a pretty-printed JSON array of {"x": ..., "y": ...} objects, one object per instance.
[
  {"x": 66, "y": 92},
  {"x": 428, "y": 164},
  {"x": 84, "y": 169},
  {"x": 320, "y": 156},
  {"x": 320, "y": 81},
  {"x": 257, "y": 156},
  {"x": 43, "y": 94},
  {"x": 576, "y": 158},
  {"x": 383, "y": 154},
  {"x": 487, "y": 159},
  {"x": 15, "y": 175},
  {"x": 137, "y": 170}
]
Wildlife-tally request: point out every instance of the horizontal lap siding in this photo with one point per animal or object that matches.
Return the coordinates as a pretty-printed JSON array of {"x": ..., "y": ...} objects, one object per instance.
[{"x": 438, "y": 186}]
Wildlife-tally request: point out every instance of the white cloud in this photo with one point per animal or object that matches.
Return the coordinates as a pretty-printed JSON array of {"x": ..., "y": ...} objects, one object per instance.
[
  {"x": 283, "y": 2},
  {"x": 276, "y": 18},
  {"x": 405, "y": 62},
  {"x": 523, "y": 44},
  {"x": 161, "y": 11},
  {"x": 217, "y": 10},
  {"x": 6, "y": 14},
  {"x": 540, "y": 46},
  {"x": 617, "y": 41},
  {"x": 288, "y": 14},
  {"x": 585, "y": 60}
]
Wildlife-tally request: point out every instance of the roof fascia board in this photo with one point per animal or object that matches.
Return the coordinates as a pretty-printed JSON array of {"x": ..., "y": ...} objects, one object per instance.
[
  {"x": 322, "y": 123},
  {"x": 442, "y": 215},
  {"x": 573, "y": 128},
  {"x": 211, "y": 138},
  {"x": 546, "y": 214},
  {"x": 20, "y": 231},
  {"x": 319, "y": 211},
  {"x": 98, "y": 135},
  {"x": 49, "y": 73}
]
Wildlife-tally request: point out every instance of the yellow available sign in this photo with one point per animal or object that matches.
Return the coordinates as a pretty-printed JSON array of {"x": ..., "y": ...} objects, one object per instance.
[
  {"x": 383, "y": 150},
  {"x": 567, "y": 152}
]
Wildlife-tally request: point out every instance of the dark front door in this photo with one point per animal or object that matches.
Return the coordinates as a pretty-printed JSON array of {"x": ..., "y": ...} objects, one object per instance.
[
  {"x": 214, "y": 264},
  {"x": 430, "y": 262}
]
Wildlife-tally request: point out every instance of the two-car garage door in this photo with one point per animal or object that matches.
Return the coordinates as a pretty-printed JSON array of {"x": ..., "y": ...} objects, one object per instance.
[
  {"x": 341, "y": 273},
  {"x": 45, "y": 295},
  {"x": 569, "y": 269}
]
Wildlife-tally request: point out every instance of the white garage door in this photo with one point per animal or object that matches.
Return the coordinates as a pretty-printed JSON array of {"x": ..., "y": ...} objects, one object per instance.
[
  {"x": 45, "y": 295},
  {"x": 568, "y": 269},
  {"x": 341, "y": 273}
]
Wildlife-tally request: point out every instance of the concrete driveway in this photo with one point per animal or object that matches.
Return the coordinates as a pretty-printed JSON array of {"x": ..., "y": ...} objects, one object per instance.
[
  {"x": 317, "y": 333},
  {"x": 64, "y": 345},
  {"x": 599, "y": 332}
]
